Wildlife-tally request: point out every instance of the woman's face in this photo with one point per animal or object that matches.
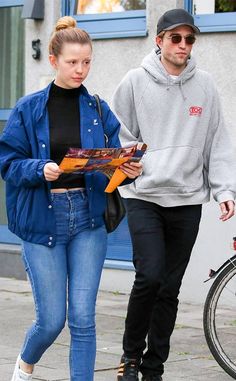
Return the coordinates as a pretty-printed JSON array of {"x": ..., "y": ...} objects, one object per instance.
[{"x": 72, "y": 64}]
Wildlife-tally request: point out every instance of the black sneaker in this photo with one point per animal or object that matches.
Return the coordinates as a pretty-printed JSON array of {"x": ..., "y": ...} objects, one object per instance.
[
  {"x": 156, "y": 377},
  {"x": 128, "y": 369}
]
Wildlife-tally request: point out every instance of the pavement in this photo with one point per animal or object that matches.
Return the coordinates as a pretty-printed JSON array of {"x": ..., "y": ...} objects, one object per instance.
[{"x": 189, "y": 358}]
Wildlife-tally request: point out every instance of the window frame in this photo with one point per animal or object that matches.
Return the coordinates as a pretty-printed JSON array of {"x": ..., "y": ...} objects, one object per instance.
[
  {"x": 215, "y": 22},
  {"x": 4, "y": 113},
  {"x": 108, "y": 25},
  {"x": 11, "y": 3}
]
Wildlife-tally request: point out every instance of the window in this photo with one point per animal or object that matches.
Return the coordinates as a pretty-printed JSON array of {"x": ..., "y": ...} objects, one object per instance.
[
  {"x": 12, "y": 56},
  {"x": 108, "y": 18},
  {"x": 213, "y": 15},
  {"x": 108, "y": 6}
]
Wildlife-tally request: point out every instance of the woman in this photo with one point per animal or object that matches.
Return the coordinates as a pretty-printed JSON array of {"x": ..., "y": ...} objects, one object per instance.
[{"x": 59, "y": 217}]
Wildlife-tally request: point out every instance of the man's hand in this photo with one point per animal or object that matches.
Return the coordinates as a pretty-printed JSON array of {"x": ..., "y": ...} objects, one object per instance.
[
  {"x": 227, "y": 210},
  {"x": 132, "y": 169},
  {"x": 51, "y": 171}
]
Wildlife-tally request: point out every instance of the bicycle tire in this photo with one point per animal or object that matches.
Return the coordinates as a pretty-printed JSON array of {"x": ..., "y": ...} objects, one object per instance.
[{"x": 218, "y": 328}]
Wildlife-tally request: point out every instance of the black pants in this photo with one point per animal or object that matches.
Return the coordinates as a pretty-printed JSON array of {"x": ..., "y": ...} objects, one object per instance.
[{"x": 162, "y": 240}]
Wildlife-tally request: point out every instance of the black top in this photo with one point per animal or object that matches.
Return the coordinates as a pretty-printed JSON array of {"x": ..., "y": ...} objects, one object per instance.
[{"x": 64, "y": 128}]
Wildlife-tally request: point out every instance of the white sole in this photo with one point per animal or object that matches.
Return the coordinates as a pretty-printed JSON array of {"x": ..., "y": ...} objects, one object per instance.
[
  {"x": 16, "y": 369},
  {"x": 15, "y": 376}
]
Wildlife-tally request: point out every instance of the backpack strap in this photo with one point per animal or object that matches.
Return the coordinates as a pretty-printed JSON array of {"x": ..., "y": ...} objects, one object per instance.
[{"x": 99, "y": 109}]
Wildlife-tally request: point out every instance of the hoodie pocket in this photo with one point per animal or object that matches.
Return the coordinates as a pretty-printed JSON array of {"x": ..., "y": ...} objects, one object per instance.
[{"x": 171, "y": 170}]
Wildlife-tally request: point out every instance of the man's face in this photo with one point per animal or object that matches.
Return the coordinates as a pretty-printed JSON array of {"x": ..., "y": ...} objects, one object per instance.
[{"x": 175, "y": 55}]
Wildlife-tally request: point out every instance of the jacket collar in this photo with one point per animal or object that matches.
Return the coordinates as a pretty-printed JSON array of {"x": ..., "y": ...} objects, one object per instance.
[{"x": 45, "y": 95}]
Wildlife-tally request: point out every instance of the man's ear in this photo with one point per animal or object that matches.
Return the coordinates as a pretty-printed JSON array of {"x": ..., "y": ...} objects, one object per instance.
[
  {"x": 53, "y": 60},
  {"x": 159, "y": 41}
]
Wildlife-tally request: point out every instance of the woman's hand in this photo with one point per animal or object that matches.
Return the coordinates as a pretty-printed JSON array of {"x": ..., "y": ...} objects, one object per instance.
[
  {"x": 51, "y": 171},
  {"x": 132, "y": 169}
]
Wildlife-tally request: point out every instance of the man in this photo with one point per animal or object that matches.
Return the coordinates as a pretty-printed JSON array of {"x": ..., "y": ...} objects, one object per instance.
[{"x": 174, "y": 108}]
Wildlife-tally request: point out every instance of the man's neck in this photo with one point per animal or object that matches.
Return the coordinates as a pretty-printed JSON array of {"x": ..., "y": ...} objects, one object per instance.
[{"x": 172, "y": 69}]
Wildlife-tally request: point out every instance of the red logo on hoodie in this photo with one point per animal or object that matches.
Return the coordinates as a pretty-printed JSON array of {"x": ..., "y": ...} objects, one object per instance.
[{"x": 195, "y": 111}]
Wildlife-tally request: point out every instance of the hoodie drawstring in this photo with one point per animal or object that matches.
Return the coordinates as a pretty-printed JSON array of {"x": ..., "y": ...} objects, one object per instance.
[
  {"x": 182, "y": 90},
  {"x": 180, "y": 84},
  {"x": 168, "y": 83}
]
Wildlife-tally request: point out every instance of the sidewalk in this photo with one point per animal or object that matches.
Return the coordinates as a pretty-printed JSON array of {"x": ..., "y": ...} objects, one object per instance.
[{"x": 189, "y": 359}]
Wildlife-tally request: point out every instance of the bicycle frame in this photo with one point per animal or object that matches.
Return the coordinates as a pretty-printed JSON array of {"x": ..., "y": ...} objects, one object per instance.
[{"x": 214, "y": 273}]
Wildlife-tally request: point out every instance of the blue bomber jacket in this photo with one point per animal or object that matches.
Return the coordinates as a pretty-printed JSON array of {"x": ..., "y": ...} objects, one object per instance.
[{"x": 25, "y": 149}]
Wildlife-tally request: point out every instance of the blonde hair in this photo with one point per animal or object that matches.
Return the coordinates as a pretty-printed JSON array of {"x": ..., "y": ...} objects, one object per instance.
[{"x": 66, "y": 30}]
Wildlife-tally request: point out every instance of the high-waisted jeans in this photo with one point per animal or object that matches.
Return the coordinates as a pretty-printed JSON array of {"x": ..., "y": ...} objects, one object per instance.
[{"x": 69, "y": 272}]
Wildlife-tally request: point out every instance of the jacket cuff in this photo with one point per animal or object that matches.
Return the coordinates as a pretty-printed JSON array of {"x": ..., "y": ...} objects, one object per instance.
[{"x": 40, "y": 167}]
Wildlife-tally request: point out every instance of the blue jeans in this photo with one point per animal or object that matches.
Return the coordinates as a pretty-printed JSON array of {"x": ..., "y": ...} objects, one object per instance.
[{"x": 69, "y": 271}]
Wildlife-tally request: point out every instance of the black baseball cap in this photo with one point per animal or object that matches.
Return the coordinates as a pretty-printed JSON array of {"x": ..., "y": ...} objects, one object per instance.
[{"x": 175, "y": 17}]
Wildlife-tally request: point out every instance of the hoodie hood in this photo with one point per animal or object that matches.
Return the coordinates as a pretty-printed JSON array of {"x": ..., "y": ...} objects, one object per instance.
[{"x": 153, "y": 66}]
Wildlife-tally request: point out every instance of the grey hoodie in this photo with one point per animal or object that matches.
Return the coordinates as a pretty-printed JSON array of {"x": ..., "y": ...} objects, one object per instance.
[{"x": 180, "y": 119}]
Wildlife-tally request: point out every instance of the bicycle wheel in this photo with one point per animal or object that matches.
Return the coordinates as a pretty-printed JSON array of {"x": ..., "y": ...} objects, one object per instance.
[{"x": 219, "y": 319}]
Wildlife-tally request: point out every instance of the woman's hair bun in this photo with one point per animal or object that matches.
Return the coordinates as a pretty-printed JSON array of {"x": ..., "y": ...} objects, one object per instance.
[{"x": 65, "y": 22}]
